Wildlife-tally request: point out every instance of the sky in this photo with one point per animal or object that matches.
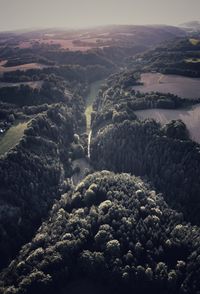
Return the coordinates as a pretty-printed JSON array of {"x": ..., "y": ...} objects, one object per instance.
[{"x": 19, "y": 14}]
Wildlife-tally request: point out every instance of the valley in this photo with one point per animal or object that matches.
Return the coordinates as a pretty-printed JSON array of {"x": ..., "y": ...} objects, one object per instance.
[
  {"x": 99, "y": 160},
  {"x": 82, "y": 165},
  {"x": 93, "y": 91}
]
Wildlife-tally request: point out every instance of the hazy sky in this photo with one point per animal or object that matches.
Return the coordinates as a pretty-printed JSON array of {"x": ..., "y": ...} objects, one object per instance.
[{"x": 16, "y": 14}]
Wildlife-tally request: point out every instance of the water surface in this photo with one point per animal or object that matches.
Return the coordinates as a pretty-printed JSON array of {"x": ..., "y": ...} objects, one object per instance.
[{"x": 94, "y": 89}]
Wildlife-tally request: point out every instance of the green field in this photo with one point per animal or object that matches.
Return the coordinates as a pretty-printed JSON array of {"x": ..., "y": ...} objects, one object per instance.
[
  {"x": 193, "y": 60},
  {"x": 94, "y": 89},
  {"x": 12, "y": 137},
  {"x": 190, "y": 116},
  {"x": 194, "y": 41}
]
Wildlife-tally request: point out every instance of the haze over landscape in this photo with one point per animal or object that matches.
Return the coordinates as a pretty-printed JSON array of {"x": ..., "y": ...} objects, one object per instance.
[{"x": 77, "y": 13}]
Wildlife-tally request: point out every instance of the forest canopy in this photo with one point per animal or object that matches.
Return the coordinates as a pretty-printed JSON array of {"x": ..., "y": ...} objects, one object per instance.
[{"x": 113, "y": 230}]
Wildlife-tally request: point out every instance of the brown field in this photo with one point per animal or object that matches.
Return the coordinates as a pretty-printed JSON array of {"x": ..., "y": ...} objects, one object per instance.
[
  {"x": 190, "y": 116},
  {"x": 64, "y": 44},
  {"x": 25, "y": 44},
  {"x": 97, "y": 39},
  {"x": 81, "y": 43},
  {"x": 177, "y": 85},
  {"x": 76, "y": 41}
]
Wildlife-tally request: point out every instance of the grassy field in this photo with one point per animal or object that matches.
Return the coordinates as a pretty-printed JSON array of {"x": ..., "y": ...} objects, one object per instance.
[
  {"x": 193, "y": 60},
  {"x": 178, "y": 85},
  {"x": 12, "y": 137},
  {"x": 190, "y": 116},
  {"x": 94, "y": 89},
  {"x": 194, "y": 41},
  {"x": 64, "y": 44},
  {"x": 83, "y": 44}
]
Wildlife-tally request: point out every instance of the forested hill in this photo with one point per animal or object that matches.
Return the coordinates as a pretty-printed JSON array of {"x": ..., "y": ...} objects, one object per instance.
[
  {"x": 31, "y": 176},
  {"x": 180, "y": 57},
  {"x": 112, "y": 233},
  {"x": 145, "y": 149},
  {"x": 165, "y": 155},
  {"x": 117, "y": 99}
]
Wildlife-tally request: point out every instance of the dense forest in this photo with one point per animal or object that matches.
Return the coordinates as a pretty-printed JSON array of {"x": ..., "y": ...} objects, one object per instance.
[
  {"x": 115, "y": 232},
  {"x": 164, "y": 155},
  {"x": 26, "y": 95},
  {"x": 70, "y": 73},
  {"x": 31, "y": 176},
  {"x": 180, "y": 57}
]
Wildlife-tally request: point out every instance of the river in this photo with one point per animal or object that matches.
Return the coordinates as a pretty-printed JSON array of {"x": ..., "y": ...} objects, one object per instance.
[
  {"x": 82, "y": 163},
  {"x": 94, "y": 89}
]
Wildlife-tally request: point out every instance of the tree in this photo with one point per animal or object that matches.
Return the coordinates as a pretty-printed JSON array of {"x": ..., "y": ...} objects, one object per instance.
[{"x": 113, "y": 247}]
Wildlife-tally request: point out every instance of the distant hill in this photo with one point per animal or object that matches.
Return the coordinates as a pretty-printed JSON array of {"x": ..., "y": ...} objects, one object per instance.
[
  {"x": 116, "y": 35},
  {"x": 192, "y": 25},
  {"x": 180, "y": 56},
  {"x": 106, "y": 46}
]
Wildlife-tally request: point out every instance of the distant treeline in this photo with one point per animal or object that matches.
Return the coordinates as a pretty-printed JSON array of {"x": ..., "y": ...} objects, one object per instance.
[
  {"x": 70, "y": 73},
  {"x": 180, "y": 57}
]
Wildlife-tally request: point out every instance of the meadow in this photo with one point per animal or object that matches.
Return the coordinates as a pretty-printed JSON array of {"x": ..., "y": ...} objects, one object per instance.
[
  {"x": 190, "y": 116},
  {"x": 178, "y": 85},
  {"x": 10, "y": 138}
]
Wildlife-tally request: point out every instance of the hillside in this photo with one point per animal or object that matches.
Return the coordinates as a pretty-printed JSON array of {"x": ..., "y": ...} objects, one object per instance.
[
  {"x": 94, "y": 199},
  {"x": 191, "y": 26},
  {"x": 32, "y": 175},
  {"x": 164, "y": 155},
  {"x": 111, "y": 232},
  {"x": 102, "y": 45},
  {"x": 180, "y": 56}
]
